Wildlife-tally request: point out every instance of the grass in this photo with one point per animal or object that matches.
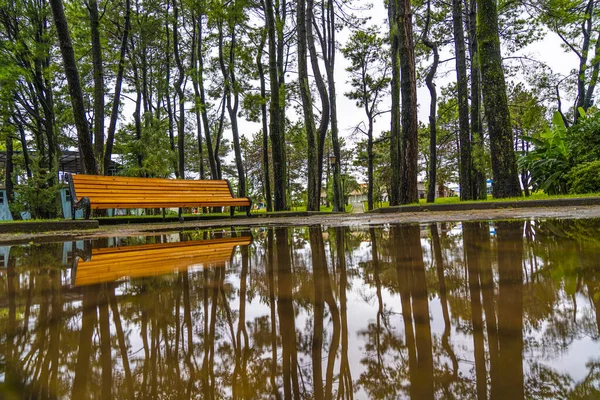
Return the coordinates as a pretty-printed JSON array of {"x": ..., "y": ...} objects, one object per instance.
[
  {"x": 262, "y": 211},
  {"x": 456, "y": 199},
  {"x": 16, "y": 221}
]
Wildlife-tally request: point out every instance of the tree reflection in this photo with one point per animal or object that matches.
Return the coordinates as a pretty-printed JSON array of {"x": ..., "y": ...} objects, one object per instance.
[
  {"x": 476, "y": 238},
  {"x": 489, "y": 311}
]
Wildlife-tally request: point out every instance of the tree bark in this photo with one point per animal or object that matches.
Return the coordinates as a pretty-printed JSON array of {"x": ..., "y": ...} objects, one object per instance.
[
  {"x": 329, "y": 61},
  {"x": 322, "y": 88},
  {"x": 265, "y": 122},
  {"x": 8, "y": 179},
  {"x": 232, "y": 106},
  {"x": 112, "y": 126},
  {"x": 180, "y": 93},
  {"x": 463, "y": 101},
  {"x": 479, "y": 183},
  {"x": 92, "y": 7},
  {"x": 309, "y": 121},
  {"x": 409, "y": 141},
  {"x": 395, "y": 132},
  {"x": 169, "y": 106},
  {"x": 212, "y": 161},
  {"x": 504, "y": 165},
  {"x": 277, "y": 112},
  {"x": 432, "y": 108},
  {"x": 586, "y": 33},
  {"x": 137, "y": 117},
  {"x": 195, "y": 52},
  {"x": 370, "y": 168},
  {"x": 76, "y": 94}
]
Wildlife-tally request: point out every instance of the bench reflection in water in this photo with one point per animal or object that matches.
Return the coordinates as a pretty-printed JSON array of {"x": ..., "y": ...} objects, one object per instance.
[{"x": 113, "y": 263}]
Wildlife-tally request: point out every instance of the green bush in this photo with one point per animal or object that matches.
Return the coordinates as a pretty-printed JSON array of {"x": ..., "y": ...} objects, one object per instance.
[
  {"x": 549, "y": 161},
  {"x": 583, "y": 138},
  {"x": 585, "y": 178},
  {"x": 38, "y": 197}
]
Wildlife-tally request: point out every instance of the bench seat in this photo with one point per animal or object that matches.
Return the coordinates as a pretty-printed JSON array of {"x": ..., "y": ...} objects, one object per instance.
[{"x": 90, "y": 192}]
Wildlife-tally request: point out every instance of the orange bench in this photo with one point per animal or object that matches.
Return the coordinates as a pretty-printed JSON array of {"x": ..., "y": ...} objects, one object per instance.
[{"x": 105, "y": 192}]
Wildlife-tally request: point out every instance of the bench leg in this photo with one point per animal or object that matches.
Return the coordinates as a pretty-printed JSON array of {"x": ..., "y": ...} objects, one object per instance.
[
  {"x": 164, "y": 213},
  {"x": 231, "y": 211},
  {"x": 180, "y": 217},
  {"x": 248, "y": 211}
]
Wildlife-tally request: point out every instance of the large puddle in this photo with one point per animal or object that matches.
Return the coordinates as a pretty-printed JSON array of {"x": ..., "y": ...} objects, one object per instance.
[{"x": 503, "y": 310}]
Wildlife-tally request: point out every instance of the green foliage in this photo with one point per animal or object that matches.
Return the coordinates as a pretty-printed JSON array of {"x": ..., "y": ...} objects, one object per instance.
[
  {"x": 152, "y": 149},
  {"x": 585, "y": 178},
  {"x": 382, "y": 175},
  {"x": 37, "y": 197},
  {"x": 369, "y": 68},
  {"x": 549, "y": 162},
  {"x": 563, "y": 160},
  {"x": 584, "y": 138}
]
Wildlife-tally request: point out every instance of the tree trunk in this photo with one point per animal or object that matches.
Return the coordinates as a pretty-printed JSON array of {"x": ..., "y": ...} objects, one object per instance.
[
  {"x": 432, "y": 109},
  {"x": 265, "y": 122},
  {"x": 207, "y": 133},
  {"x": 395, "y": 132},
  {"x": 232, "y": 106},
  {"x": 112, "y": 126},
  {"x": 180, "y": 94},
  {"x": 43, "y": 90},
  {"x": 170, "y": 112},
  {"x": 463, "y": 101},
  {"x": 23, "y": 140},
  {"x": 589, "y": 94},
  {"x": 329, "y": 49},
  {"x": 409, "y": 143},
  {"x": 479, "y": 184},
  {"x": 504, "y": 165},
  {"x": 277, "y": 116},
  {"x": 68, "y": 56},
  {"x": 218, "y": 136},
  {"x": 586, "y": 33},
  {"x": 8, "y": 179},
  {"x": 322, "y": 88},
  {"x": 309, "y": 121},
  {"x": 195, "y": 52},
  {"x": 92, "y": 7},
  {"x": 137, "y": 118},
  {"x": 370, "y": 175}
]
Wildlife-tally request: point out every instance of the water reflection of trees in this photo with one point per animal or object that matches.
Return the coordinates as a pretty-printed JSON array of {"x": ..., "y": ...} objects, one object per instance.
[{"x": 511, "y": 298}]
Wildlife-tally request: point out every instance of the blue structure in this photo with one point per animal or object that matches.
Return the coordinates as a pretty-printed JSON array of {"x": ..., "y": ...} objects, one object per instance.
[{"x": 5, "y": 214}]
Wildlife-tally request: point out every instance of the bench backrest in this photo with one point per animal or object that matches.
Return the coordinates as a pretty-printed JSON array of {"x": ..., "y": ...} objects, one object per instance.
[{"x": 124, "y": 192}]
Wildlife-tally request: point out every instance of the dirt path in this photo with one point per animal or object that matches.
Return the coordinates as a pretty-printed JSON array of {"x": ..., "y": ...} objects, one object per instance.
[{"x": 323, "y": 219}]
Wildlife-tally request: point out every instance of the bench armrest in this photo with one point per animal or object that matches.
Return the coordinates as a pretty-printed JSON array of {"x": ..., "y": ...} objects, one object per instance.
[
  {"x": 81, "y": 204},
  {"x": 248, "y": 209}
]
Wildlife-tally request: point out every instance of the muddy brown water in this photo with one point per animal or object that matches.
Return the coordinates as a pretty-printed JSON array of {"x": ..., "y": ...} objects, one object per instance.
[{"x": 469, "y": 310}]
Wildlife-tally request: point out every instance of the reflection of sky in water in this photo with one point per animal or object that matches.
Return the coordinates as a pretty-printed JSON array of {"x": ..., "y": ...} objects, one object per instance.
[{"x": 542, "y": 333}]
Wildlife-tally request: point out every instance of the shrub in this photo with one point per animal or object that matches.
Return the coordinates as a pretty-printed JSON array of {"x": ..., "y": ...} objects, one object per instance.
[
  {"x": 583, "y": 138},
  {"x": 585, "y": 178},
  {"x": 549, "y": 161},
  {"x": 37, "y": 197}
]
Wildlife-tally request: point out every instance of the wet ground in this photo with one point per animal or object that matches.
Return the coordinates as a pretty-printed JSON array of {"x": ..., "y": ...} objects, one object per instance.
[
  {"x": 334, "y": 220},
  {"x": 474, "y": 309}
]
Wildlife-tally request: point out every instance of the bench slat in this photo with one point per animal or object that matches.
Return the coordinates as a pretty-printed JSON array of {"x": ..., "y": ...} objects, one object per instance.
[{"x": 147, "y": 182}]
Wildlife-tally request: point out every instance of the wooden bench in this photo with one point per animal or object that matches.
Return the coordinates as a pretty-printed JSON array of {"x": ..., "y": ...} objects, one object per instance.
[
  {"x": 105, "y": 192},
  {"x": 113, "y": 263}
]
